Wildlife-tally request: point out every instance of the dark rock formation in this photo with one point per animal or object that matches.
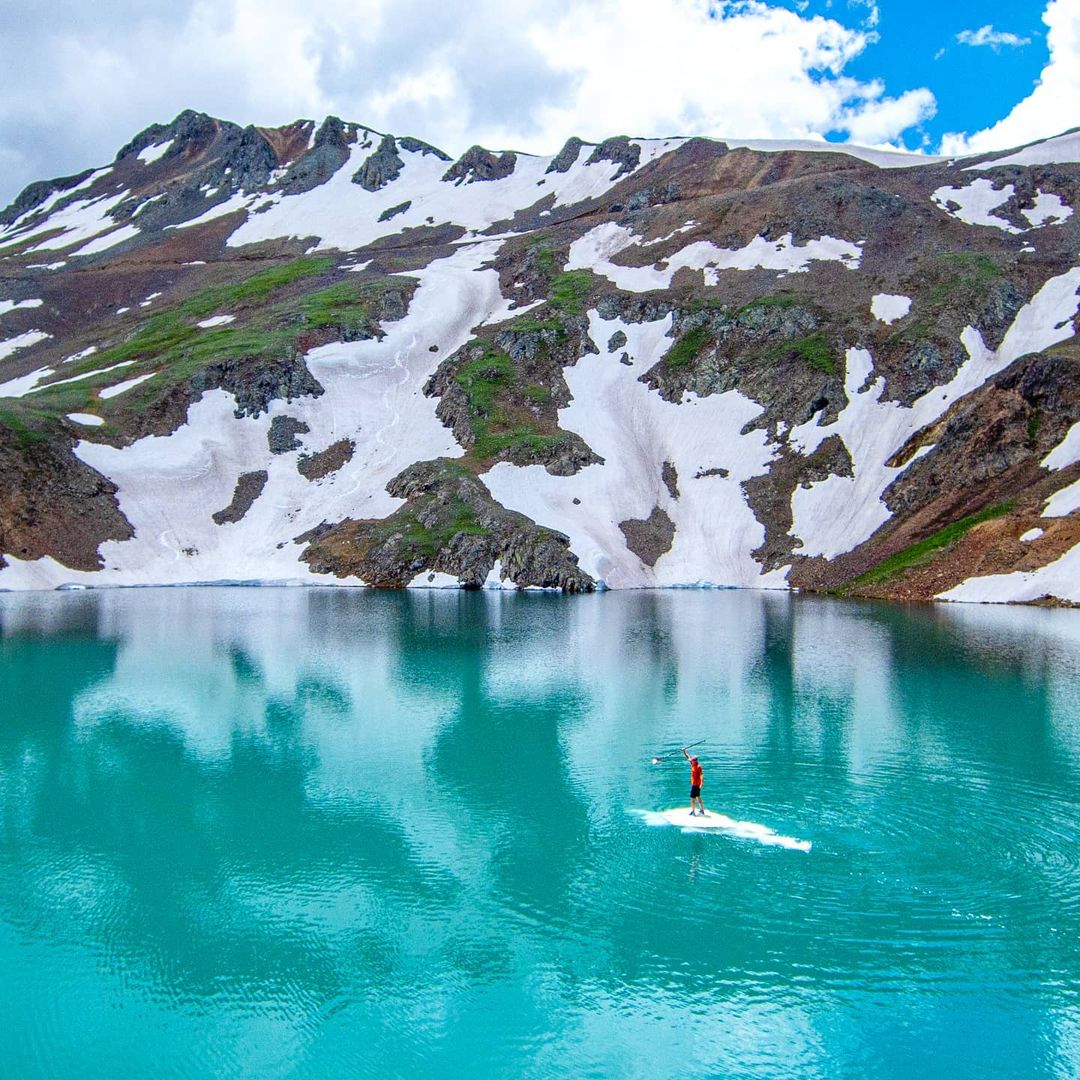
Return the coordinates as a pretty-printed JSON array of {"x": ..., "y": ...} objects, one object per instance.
[
  {"x": 51, "y": 503},
  {"x": 564, "y": 160},
  {"x": 450, "y": 524},
  {"x": 256, "y": 382},
  {"x": 329, "y": 151},
  {"x": 417, "y": 146},
  {"x": 393, "y": 211},
  {"x": 670, "y": 477},
  {"x": 249, "y": 486},
  {"x": 480, "y": 164},
  {"x": 651, "y": 537},
  {"x": 316, "y": 466},
  {"x": 620, "y": 151},
  {"x": 381, "y": 167},
  {"x": 283, "y": 432}
]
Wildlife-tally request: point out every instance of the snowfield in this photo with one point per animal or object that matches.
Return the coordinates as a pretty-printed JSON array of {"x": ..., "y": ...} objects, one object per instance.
[
  {"x": 636, "y": 432},
  {"x": 596, "y": 249},
  {"x": 170, "y": 486}
]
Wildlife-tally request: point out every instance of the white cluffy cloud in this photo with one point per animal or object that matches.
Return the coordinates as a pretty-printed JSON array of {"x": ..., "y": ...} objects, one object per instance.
[
  {"x": 1054, "y": 104},
  {"x": 995, "y": 39},
  {"x": 79, "y": 80}
]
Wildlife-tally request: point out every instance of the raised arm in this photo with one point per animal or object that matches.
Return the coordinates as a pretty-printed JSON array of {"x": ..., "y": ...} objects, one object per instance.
[{"x": 684, "y": 753}]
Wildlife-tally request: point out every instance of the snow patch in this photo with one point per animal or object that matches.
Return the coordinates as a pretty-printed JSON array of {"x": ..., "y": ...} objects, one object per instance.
[
  {"x": 169, "y": 486},
  {"x": 888, "y": 308},
  {"x": 1060, "y": 578},
  {"x": 1063, "y": 502},
  {"x": 22, "y": 341},
  {"x": 216, "y": 320},
  {"x": 80, "y": 221},
  {"x": 595, "y": 250},
  {"x": 1048, "y": 210},
  {"x": 89, "y": 351},
  {"x": 109, "y": 240},
  {"x": 89, "y": 374},
  {"x": 973, "y": 204},
  {"x": 23, "y": 384},
  {"x": 123, "y": 387},
  {"x": 149, "y": 154},
  {"x": 15, "y": 305},
  {"x": 883, "y": 159},
  {"x": 345, "y": 216},
  {"x": 45, "y": 207},
  {"x": 87, "y": 419},
  {"x": 1067, "y": 452},
  {"x": 1031, "y": 534},
  {"x": 239, "y": 201},
  {"x": 1061, "y": 150},
  {"x": 495, "y": 579}
]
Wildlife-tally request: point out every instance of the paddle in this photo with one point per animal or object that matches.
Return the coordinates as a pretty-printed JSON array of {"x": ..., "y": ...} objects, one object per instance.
[{"x": 663, "y": 757}]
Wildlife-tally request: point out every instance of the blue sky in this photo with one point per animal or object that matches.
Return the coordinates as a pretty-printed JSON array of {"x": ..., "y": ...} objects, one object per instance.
[{"x": 975, "y": 86}]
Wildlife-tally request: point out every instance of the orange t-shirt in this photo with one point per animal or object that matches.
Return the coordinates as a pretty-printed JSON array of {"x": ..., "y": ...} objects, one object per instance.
[{"x": 695, "y": 775}]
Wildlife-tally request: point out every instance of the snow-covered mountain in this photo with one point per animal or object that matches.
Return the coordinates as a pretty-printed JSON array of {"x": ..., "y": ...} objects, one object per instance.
[{"x": 326, "y": 354}]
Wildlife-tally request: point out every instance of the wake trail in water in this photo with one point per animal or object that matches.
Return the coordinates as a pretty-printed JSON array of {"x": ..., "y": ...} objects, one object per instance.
[{"x": 721, "y": 823}]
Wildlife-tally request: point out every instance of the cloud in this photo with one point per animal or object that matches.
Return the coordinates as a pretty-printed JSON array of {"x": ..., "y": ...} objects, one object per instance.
[
  {"x": 995, "y": 39},
  {"x": 1052, "y": 107},
  {"x": 873, "y": 12},
  {"x": 80, "y": 79}
]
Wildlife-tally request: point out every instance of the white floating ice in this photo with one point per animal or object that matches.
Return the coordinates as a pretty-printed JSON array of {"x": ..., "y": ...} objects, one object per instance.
[{"x": 721, "y": 823}]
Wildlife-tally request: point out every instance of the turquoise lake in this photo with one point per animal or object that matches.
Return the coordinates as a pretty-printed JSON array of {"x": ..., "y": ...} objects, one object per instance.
[{"x": 322, "y": 833}]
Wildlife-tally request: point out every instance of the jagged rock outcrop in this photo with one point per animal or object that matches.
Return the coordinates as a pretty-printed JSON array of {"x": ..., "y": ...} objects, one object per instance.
[
  {"x": 381, "y": 167},
  {"x": 480, "y": 164},
  {"x": 329, "y": 151},
  {"x": 449, "y": 524}
]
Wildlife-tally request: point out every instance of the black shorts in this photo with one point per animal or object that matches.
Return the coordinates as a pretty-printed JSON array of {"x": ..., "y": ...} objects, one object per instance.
[{"x": 695, "y": 791}]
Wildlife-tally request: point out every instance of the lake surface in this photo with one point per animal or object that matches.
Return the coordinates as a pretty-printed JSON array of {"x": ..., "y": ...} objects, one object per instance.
[{"x": 339, "y": 833}]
